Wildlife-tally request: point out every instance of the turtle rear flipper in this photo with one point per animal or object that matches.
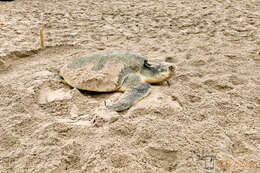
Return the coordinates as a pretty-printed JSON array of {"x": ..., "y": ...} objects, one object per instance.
[{"x": 132, "y": 95}]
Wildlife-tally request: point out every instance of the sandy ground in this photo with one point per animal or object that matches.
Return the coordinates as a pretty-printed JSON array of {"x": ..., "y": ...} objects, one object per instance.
[{"x": 211, "y": 108}]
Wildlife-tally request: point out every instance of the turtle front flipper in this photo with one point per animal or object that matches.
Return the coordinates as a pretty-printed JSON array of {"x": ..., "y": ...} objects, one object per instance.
[{"x": 132, "y": 95}]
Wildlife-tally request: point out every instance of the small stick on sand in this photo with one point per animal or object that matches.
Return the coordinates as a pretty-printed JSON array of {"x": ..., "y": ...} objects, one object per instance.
[{"x": 41, "y": 38}]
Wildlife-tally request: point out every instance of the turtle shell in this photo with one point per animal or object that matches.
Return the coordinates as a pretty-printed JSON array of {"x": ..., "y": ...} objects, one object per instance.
[{"x": 102, "y": 71}]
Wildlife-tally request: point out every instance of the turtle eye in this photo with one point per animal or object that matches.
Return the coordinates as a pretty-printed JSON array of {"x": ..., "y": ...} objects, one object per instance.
[{"x": 171, "y": 68}]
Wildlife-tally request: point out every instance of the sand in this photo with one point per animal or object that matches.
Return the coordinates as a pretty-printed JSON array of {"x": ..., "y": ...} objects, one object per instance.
[{"x": 211, "y": 108}]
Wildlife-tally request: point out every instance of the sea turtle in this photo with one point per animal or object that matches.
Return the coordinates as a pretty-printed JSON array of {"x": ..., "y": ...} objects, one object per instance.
[{"x": 116, "y": 70}]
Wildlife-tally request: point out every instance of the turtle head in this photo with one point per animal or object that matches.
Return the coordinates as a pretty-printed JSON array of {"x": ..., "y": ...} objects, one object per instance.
[{"x": 161, "y": 72}]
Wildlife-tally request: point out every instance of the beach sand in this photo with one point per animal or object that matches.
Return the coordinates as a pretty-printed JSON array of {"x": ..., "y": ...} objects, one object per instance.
[{"x": 211, "y": 109}]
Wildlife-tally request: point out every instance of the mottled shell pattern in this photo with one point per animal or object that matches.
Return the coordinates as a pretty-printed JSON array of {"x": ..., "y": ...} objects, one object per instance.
[{"x": 102, "y": 71}]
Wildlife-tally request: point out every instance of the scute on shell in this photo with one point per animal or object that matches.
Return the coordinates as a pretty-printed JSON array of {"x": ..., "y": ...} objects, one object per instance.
[{"x": 102, "y": 71}]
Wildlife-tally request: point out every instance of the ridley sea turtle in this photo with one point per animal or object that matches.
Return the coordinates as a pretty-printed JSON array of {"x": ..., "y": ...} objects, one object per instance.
[{"x": 116, "y": 70}]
